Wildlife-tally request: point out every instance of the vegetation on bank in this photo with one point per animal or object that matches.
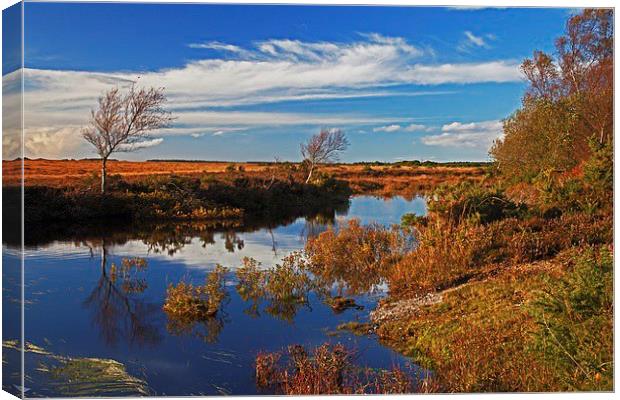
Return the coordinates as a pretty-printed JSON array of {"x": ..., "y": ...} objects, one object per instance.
[
  {"x": 510, "y": 284},
  {"x": 178, "y": 197}
]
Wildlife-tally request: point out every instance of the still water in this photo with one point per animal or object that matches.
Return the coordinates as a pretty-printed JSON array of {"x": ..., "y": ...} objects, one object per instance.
[{"x": 74, "y": 309}]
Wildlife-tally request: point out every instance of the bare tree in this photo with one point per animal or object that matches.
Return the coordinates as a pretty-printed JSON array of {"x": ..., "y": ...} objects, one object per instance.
[
  {"x": 323, "y": 147},
  {"x": 122, "y": 122}
]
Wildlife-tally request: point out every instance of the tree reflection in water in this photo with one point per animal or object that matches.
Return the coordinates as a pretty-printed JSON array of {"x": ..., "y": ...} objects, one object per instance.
[{"x": 118, "y": 312}]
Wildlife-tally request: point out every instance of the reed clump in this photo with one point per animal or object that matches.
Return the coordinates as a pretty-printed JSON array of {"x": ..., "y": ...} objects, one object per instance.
[
  {"x": 189, "y": 303},
  {"x": 327, "y": 369}
]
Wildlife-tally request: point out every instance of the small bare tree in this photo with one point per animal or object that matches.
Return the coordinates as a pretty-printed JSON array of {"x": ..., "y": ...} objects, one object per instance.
[
  {"x": 323, "y": 147},
  {"x": 122, "y": 121}
]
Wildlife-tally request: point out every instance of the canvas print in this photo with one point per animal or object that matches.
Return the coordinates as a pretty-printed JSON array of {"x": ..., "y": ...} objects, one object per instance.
[{"x": 235, "y": 199}]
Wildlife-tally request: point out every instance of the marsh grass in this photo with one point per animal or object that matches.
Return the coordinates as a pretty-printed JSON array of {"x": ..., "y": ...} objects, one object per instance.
[
  {"x": 327, "y": 369},
  {"x": 186, "y": 303},
  {"x": 448, "y": 254},
  {"x": 476, "y": 339}
]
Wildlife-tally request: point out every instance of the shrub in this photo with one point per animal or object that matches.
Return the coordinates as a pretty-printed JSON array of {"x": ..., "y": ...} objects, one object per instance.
[
  {"x": 287, "y": 281},
  {"x": 536, "y": 139},
  {"x": 468, "y": 200},
  {"x": 448, "y": 254},
  {"x": 587, "y": 189},
  {"x": 251, "y": 280},
  {"x": 128, "y": 274},
  {"x": 575, "y": 318}
]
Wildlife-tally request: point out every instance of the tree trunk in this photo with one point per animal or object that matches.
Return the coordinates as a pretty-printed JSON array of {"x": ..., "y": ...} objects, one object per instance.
[
  {"x": 104, "y": 258},
  {"x": 310, "y": 173},
  {"x": 103, "y": 174}
]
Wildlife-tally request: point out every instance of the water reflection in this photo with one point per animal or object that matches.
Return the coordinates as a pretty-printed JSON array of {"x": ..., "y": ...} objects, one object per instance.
[
  {"x": 89, "y": 295},
  {"x": 117, "y": 310},
  {"x": 284, "y": 288}
]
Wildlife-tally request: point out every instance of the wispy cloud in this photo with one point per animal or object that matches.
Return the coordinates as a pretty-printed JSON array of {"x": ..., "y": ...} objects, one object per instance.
[
  {"x": 145, "y": 144},
  {"x": 475, "y": 40},
  {"x": 387, "y": 128},
  {"x": 216, "y": 46},
  {"x": 418, "y": 128},
  {"x": 406, "y": 128},
  {"x": 472, "y": 41},
  {"x": 271, "y": 71},
  {"x": 474, "y": 134}
]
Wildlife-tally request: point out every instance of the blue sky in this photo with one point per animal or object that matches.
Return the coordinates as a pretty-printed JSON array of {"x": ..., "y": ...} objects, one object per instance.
[{"x": 252, "y": 82}]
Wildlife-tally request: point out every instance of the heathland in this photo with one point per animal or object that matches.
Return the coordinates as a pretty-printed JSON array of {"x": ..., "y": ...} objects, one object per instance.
[{"x": 505, "y": 285}]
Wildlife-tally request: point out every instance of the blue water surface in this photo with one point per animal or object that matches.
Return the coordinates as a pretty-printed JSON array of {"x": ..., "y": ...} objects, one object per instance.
[{"x": 74, "y": 308}]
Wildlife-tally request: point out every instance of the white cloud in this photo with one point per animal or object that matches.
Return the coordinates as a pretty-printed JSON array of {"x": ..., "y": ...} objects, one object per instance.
[
  {"x": 11, "y": 115},
  {"x": 145, "y": 144},
  {"x": 472, "y": 41},
  {"x": 492, "y": 71},
  {"x": 406, "y": 128},
  {"x": 418, "y": 128},
  {"x": 55, "y": 142},
  {"x": 475, "y": 40},
  {"x": 278, "y": 70},
  {"x": 217, "y": 46},
  {"x": 387, "y": 128},
  {"x": 270, "y": 71},
  {"x": 474, "y": 134}
]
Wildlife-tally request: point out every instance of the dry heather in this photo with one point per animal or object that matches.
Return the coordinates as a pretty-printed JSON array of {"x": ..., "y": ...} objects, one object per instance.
[{"x": 380, "y": 180}]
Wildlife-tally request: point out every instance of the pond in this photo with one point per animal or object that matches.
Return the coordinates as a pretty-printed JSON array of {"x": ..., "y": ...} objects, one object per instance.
[{"x": 76, "y": 309}]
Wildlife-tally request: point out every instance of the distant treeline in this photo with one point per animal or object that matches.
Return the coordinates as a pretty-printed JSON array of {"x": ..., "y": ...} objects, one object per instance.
[
  {"x": 410, "y": 163},
  {"x": 418, "y": 163}
]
